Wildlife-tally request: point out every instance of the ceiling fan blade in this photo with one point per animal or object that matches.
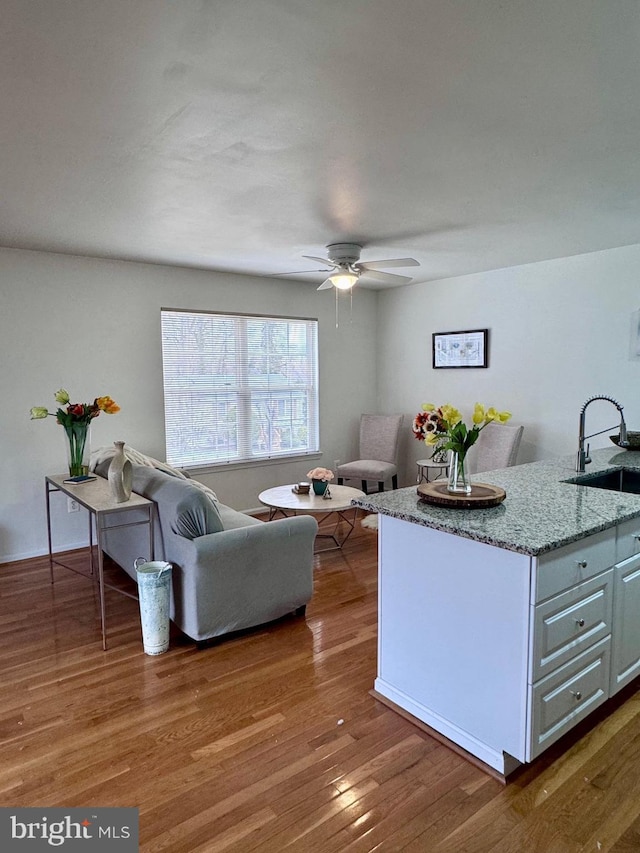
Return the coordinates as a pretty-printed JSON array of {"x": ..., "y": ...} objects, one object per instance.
[
  {"x": 295, "y": 272},
  {"x": 393, "y": 262},
  {"x": 320, "y": 260},
  {"x": 326, "y": 284},
  {"x": 387, "y": 277}
]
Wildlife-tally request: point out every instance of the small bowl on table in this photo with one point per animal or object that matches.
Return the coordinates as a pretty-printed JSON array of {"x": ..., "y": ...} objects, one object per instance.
[{"x": 633, "y": 439}]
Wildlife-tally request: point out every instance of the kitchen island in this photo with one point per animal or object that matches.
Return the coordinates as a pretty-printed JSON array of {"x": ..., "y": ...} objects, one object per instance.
[{"x": 502, "y": 628}]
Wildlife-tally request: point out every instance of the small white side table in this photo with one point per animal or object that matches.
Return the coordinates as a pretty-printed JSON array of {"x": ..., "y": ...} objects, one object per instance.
[
  {"x": 95, "y": 496},
  {"x": 425, "y": 466}
]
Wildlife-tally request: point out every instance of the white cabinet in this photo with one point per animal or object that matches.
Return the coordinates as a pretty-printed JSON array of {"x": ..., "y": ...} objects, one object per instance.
[
  {"x": 500, "y": 652},
  {"x": 568, "y": 695},
  {"x": 571, "y": 621},
  {"x": 625, "y": 662},
  {"x": 627, "y": 539}
]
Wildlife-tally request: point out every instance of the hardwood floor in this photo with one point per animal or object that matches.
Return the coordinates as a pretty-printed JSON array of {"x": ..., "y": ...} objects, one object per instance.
[{"x": 271, "y": 741}]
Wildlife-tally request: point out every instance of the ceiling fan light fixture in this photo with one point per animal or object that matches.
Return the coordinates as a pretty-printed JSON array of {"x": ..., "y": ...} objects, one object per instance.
[{"x": 343, "y": 280}]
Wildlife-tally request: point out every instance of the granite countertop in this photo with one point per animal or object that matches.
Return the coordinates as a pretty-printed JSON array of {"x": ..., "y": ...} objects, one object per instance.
[{"x": 540, "y": 512}]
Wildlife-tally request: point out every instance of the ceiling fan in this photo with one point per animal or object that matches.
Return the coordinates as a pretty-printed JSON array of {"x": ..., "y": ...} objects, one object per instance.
[{"x": 344, "y": 261}]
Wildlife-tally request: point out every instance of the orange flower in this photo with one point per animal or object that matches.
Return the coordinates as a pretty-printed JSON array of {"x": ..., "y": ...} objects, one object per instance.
[{"x": 107, "y": 405}]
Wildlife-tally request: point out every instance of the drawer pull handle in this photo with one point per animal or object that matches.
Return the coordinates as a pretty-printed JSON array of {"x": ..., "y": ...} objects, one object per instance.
[
  {"x": 576, "y": 694},
  {"x": 582, "y": 564},
  {"x": 580, "y": 623}
]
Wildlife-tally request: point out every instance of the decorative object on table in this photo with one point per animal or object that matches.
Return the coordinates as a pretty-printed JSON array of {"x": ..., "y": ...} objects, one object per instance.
[
  {"x": 302, "y": 488},
  {"x": 460, "y": 349},
  {"x": 440, "y": 455},
  {"x": 425, "y": 423},
  {"x": 482, "y": 495},
  {"x": 320, "y": 478},
  {"x": 443, "y": 426},
  {"x": 76, "y": 421},
  {"x": 633, "y": 441},
  {"x": 120, "y": 474}
]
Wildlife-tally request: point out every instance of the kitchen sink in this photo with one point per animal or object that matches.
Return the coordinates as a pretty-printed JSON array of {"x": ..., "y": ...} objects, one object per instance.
[{"x": 619, "y": 480}]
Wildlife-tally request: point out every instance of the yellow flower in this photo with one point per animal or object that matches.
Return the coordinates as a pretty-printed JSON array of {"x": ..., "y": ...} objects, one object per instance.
[
  {"x": 428, "y": 407},
  {"x": 38, "y": 412},
  {"x": 62, "y": 397},
  {"x": 503, "y": 417},
  {"x": 491, "y": 414},
  {"x": 432, "y": 438},
  {"x": 107, "y": 405},
  {"x": 478, "y": 414},
  {"x": 450, "y": 414}
]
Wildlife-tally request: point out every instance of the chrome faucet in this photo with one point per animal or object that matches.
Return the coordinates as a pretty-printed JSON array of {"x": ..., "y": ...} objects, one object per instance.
[{"x": 583, "y": 455}]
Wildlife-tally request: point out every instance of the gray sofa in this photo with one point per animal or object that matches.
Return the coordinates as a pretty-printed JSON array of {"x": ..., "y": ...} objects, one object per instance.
[{"x": 230, "y": 571}]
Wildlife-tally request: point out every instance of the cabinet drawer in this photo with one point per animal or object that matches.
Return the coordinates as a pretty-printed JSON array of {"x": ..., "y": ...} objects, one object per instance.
[
  {"x": 568, "y": 695},
  {"x": 558, "y": 570},
  {"x": 628, "y": 539},
  {"x": 570, "y": 622}
]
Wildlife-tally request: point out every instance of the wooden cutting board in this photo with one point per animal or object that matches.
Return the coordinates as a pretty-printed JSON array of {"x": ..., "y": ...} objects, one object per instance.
[{"x": 482, "y": 495}]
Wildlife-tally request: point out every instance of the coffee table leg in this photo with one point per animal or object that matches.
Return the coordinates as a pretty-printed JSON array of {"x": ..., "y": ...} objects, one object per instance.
[{"x": 339, "y": 542}]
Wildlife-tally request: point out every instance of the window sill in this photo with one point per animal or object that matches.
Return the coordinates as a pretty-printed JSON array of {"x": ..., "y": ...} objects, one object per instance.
[{"x": 248, "y": 465}]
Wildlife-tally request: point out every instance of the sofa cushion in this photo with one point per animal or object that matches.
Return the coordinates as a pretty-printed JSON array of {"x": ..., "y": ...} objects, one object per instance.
[
  {"x": 196, "y": 516},
  {"x": 232, "y": 519}
]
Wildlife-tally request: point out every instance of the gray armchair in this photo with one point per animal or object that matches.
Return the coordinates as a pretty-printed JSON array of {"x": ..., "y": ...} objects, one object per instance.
[
  {"x": 378, "y": 452},
  {"x": 497, "y": 447}
]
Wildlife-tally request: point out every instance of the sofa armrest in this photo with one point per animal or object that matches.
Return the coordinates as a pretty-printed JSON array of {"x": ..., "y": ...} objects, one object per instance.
[
  {"x": 242, "y": 577},
  {"x": 260, "y": 540}
]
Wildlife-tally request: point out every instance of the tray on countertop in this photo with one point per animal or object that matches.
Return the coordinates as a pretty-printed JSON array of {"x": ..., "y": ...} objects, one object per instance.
[{"x": 482, "y": 495}]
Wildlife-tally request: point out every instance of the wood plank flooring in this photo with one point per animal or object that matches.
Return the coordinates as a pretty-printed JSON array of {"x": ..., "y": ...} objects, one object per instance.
[{"x": 271, "y": 741}]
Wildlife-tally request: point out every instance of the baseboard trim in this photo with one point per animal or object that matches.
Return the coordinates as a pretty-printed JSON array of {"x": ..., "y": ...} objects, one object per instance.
[{"x": 510, "y": 764}]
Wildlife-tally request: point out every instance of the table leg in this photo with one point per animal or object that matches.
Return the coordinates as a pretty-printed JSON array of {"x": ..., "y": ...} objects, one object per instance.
[
  {"x": 48, "y": 494},
  {"x": 151, "y": 541},
  {"x": 103, "y": 613},
  {"x": 339, "y": 542}
]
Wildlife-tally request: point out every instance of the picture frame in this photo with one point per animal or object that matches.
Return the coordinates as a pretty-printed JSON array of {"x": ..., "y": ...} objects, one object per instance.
[{"x": 461, "y": 349}]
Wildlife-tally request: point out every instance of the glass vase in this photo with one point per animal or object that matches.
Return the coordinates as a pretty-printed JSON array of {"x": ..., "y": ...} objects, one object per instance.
[
  {"x": 440, "y": 455},
  {"x": 78, "y": 448},
  {"x": 459, "y": 480}
]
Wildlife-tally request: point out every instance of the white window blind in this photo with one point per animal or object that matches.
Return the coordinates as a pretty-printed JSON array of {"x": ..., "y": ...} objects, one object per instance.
[{"x": 238, "y": 388}]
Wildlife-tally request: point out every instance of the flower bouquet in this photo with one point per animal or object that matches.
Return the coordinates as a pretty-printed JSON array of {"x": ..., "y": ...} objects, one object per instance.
[
  {"x": 76, "y": 419},
  {"x": 320, "y": 478},
  {"x": 442, "y": 427}
]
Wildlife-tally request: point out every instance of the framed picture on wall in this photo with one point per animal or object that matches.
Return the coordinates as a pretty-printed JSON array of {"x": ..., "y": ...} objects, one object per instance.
[{"x": 461, "y": 349}]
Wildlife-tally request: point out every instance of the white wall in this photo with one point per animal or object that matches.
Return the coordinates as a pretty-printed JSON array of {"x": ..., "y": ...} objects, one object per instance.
[
  {"x": 559, "y": 333},
  {"x": 93, "y": 327}
]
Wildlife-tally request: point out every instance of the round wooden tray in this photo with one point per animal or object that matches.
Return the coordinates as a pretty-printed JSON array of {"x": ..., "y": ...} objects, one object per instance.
[{"x": 482, "y": 495}]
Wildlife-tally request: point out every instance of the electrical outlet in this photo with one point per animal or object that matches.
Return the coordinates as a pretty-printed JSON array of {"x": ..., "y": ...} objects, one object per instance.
[{"x": 72, "y": 506}]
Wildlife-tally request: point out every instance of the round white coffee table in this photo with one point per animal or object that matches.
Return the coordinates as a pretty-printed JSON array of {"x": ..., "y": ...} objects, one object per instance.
[{"x": 284, "y": 501}]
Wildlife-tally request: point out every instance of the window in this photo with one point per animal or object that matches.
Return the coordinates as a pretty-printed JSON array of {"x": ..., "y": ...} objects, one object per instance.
[{"x": 238, "y": 388}]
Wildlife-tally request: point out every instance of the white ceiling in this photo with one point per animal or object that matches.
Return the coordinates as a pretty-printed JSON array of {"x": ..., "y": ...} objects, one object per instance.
[{"x": 241, "y": 134}]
